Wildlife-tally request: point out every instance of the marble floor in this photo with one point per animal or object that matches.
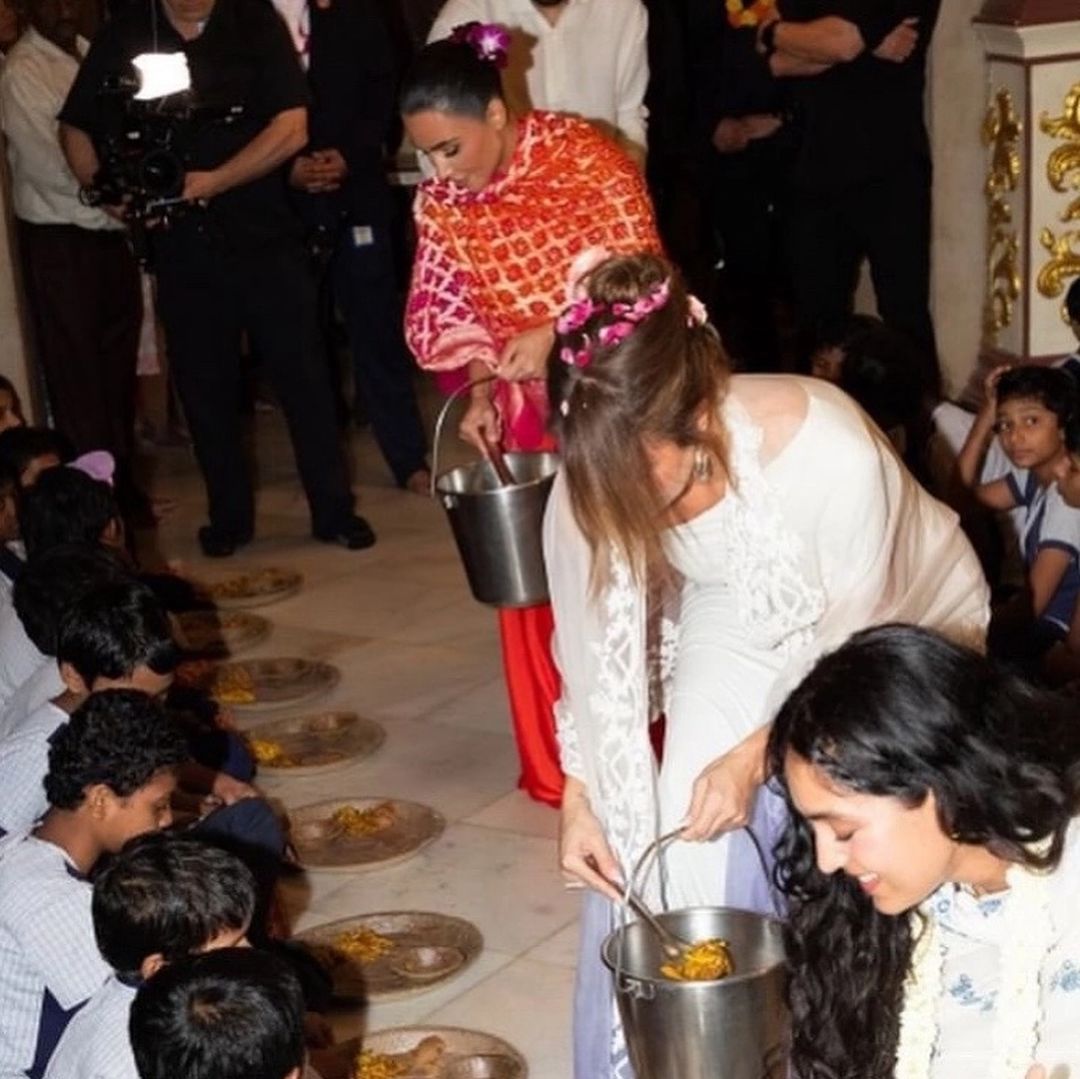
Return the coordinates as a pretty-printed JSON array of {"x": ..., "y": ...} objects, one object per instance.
[{"x": 418, "y": 655}]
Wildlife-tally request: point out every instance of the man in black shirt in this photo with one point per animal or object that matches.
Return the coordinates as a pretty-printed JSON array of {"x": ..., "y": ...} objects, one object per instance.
[
  {"x": 342, "y": 190},
  {"x": 745, "y": 138},
  {"x": 863, "y": 171},
  {"x": 239, "y": 264}
]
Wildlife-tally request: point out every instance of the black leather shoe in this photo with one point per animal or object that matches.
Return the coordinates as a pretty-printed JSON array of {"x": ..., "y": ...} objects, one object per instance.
[
  {"x": 355, "y": 534},
  {"x": 216, "y": 543}
]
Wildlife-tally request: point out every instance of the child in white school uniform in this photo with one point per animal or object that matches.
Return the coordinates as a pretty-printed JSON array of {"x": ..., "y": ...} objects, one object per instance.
[
  {"x": 116, "y": 636},
  {"x": 111, "y": 776},
  {"x": 1034, "y": 412},
  {"x": 164, "y": 897}
]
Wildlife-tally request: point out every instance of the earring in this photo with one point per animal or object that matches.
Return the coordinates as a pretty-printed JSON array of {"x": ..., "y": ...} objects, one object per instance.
[{"x": 703, "y": 465}]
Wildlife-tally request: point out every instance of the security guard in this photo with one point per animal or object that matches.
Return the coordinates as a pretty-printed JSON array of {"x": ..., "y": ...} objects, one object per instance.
[{"x": 239, "y": 264}]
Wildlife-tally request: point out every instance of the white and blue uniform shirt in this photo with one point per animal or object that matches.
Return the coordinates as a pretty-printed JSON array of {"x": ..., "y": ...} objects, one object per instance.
[
  {"x": 49, "y": 962},
  {"x": 1049, "y": 523},
  {"x": 96, "y": 1044},
  {"x": 24, "y": 762}
]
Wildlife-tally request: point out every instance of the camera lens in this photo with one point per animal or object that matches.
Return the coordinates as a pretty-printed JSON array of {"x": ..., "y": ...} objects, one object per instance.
[{"x": 162, "y": 174}]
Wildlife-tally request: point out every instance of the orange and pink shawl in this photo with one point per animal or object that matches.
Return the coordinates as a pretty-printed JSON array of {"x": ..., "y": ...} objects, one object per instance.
[{"x": 493, "y": 263}]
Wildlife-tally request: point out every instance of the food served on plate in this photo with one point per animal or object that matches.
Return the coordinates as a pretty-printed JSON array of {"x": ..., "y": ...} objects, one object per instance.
[
  {"x": 422, "y": 1062},
  {"x": 270, "y": 753},
  {"x": 360, "y": 945},
  {"x": 705, "y": 961},
  {"x": 356, "y": 823},
  {"x": 255, "y": 583},
  {"x": 229, "y": 684}
]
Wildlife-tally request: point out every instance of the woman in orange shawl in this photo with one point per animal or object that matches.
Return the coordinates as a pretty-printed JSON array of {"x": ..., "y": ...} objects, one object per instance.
[{"x": 514, "y": 202}]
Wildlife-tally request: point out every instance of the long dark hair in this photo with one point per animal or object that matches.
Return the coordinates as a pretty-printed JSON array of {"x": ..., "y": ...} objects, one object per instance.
[{"x": 899, "y": 711}]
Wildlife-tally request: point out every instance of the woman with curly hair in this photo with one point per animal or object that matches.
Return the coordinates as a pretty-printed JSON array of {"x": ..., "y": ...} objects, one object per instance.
[{"x": 932, "y": 865}]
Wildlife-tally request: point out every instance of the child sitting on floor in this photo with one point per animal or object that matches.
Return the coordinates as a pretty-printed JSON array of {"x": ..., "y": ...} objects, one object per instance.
[
  {"x": 111, "y": 776},
  {"x": 162, "y": 898},
  {"x": 1033, "y": 411},
  {"x": 29, "y": 451},
  {"x": 66, "y": 505},
  {"x": 116, "y": 636},
  {"x": 45, "y": 593},
  {"x": 229, "y": 1014}
]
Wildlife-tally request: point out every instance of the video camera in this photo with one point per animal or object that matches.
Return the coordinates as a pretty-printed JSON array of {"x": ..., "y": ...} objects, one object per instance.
[{"x": 144, "y": 153}]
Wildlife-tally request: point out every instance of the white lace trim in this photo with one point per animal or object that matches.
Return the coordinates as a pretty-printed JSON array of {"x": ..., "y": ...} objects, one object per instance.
[{"x": 571, "y": 756}]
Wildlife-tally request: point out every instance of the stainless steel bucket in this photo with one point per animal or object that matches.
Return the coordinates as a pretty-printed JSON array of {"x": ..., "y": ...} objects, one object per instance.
[
  {"x": 735, "y": 1028},
  {"x": 498, "y": 527}
]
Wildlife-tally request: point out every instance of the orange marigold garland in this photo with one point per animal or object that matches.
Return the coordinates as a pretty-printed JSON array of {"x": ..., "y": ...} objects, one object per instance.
[{"x": 741, "y": 15}]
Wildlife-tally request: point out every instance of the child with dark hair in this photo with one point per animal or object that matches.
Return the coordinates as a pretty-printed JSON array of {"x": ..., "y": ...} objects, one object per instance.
[
  {"x": 11, "y": 413},
  {"x": 1032, "y": 410},
  {"x": 66, "y": 505},
  {"x": 47, "y": 589},
  {"x": 111, "y": 775},
  {"x": 229, "y": 1014},
  {"x": 163, "y": 897},
  {"x": 116, "y": 636},
  {"x": 29, "y": 451}
]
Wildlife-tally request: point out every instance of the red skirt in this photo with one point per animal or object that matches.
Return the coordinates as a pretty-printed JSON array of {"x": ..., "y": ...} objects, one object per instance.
[{"x": 533, "y": 684}]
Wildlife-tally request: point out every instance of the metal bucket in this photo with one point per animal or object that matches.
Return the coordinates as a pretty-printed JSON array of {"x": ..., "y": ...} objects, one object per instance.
[
  {"x": 735, "y": 1028},
  {"x": 498, "y": 528}
]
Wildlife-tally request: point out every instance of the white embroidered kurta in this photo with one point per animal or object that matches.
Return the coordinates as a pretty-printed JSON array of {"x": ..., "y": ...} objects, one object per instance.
[
  {"x": 830, "y": 536},
  {"x": 971, "y": 932}
]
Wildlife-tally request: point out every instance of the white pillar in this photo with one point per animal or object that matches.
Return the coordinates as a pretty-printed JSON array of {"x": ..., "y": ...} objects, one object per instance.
[{"x": 1030, "y": 195}]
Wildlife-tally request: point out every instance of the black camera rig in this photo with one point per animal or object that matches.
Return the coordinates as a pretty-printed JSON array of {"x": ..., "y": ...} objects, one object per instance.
[{"x": 144, "y": 156}]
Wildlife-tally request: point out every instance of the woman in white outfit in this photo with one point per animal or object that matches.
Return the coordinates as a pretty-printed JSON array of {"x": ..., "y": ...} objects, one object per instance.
[{"x": 769, "y": 519}]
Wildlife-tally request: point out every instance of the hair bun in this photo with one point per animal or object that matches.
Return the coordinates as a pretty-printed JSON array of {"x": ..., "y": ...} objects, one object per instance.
[{"x": 490, "y": 41}]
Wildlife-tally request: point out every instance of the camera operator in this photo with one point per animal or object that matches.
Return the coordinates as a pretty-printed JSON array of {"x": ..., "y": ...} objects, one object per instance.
[
  {"x": 239, "y": 263},
  {"x": 342, "y": 193},
  {"x": 82, "y": 284}
]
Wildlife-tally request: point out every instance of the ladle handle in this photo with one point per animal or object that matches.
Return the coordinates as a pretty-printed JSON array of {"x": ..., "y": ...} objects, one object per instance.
[
  {"x": 436, "y": 440},
  {"x": 671, "y": 943},
  {"x": 498, "y": 462}
]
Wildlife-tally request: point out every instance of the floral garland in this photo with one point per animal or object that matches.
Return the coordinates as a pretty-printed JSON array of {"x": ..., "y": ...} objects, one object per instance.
[
  {"x": 1028, "y": 935},
  {"x": 741, "y": 15}
]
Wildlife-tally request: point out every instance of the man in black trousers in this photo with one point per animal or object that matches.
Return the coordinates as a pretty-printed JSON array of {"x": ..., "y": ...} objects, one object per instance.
[
  {"x": 342, "y": 192},
  {"x": 862, "y": 177},
  {"x": 238, "y": 264}
]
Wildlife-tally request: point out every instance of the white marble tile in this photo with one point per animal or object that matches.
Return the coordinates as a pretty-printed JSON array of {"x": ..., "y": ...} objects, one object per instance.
[
  {"x": 560, "y": 949},
  {"x": 455, "y": 772},
  {"x": 483, "y": 708},
  {"x": 517, "y": 812},
  {"x": 349, "y": 1022},
  {"x": 507, "y": 884},
  {"x": 528, "y": 1003}
]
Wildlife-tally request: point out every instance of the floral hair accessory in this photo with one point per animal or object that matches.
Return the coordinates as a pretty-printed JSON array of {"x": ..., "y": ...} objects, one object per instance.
[
  {"x": 489, "y": 41},
  {"x": 576, "y": 315},
  {"x": 97, "y": 464}
]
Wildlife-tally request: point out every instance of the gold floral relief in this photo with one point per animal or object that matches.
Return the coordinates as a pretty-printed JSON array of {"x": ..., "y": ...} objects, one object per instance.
[
  {"x": 1001, "y": 134},
  {"x": 1063, "y": 175}
]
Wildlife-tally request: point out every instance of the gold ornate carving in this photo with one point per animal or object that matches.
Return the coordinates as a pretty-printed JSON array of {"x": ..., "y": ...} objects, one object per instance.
[
  {"x": 1001, "y": 133},
  {"x": 1063, "y": 175}
]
